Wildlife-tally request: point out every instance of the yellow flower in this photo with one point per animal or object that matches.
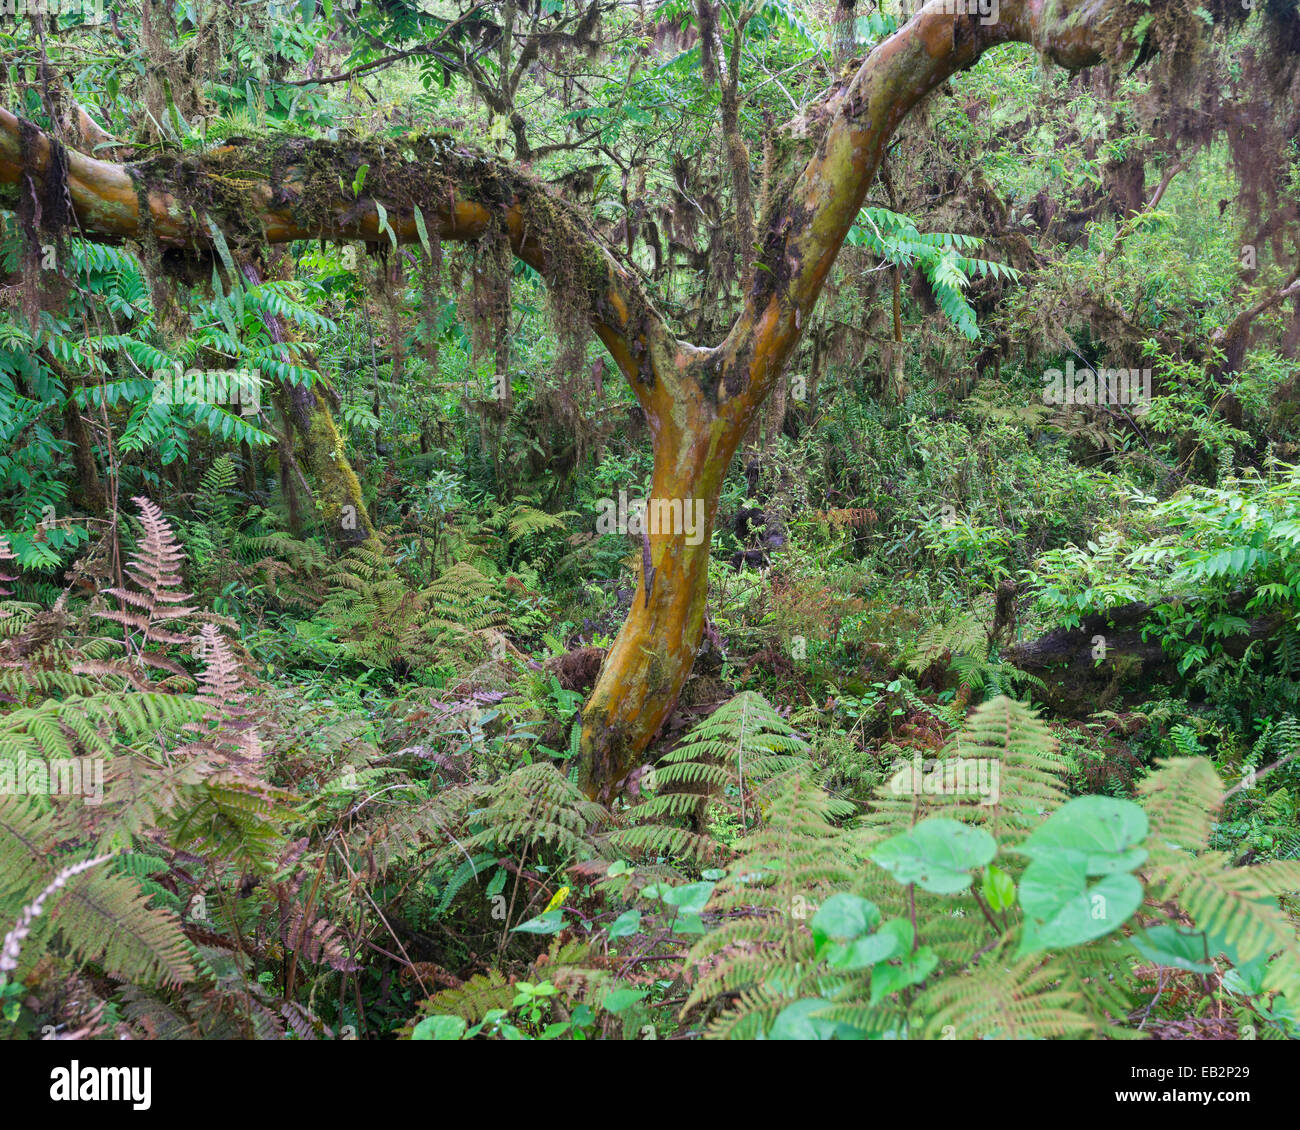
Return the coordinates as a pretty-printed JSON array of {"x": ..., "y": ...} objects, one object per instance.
[{"x": 558, "y": 900}]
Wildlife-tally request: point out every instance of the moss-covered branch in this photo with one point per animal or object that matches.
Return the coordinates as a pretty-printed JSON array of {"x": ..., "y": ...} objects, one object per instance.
[{"x": 282, "y": 189}]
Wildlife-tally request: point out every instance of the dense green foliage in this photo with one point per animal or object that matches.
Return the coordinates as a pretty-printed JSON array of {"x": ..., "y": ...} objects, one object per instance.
[{"x": 336, "y": 791}]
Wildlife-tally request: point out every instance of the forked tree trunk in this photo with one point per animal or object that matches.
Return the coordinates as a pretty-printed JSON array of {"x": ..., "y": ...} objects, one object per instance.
[{"x": 699, "y": 402}]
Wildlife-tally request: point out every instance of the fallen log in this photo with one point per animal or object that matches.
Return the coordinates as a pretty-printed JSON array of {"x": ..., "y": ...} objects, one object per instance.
[{"x": 1086, "y": 667}]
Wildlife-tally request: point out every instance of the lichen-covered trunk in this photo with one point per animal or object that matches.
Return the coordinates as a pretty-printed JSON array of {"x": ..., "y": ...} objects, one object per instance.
[
  {"x": 335, "y": 485},
  {"x": 655, "y": 650},
  {"x": 711, "y": 401},
  {"x": 91, "y": 493},
  {"x": 652, "y": 657},
  {"x": 337, "y": 489}
]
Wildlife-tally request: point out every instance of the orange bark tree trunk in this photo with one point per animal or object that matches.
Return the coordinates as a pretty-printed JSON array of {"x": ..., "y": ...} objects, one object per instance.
[{"x": 699, "y": 402}]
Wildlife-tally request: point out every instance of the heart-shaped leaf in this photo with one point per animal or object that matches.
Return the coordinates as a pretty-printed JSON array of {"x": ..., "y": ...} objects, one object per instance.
[
  {"x": 629, "y": 922},
  {"x": 938, "y": 854},
  {"x": 1103, "y": 831},
  {"x": 863, "y": 952},
  {"x": 688, "y": 924},
  {"x": 617, "y": 1000},
  {"x": 690, "y": 899},
  {"x": 914, "y": 968},
  {"x": 1167, "y": 945},
  {"x": 800, "y": 1021},
  {"x": 552, "y": 922},
  {"x": 1062, "y": 910},
  {"x": 439, "y": 1028},
  {"x": 999, "y": 889},
  {"x": 843, "y": 916}
]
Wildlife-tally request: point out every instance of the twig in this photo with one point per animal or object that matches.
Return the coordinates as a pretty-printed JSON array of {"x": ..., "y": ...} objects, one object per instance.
[{"x": 1255, "y": 777}]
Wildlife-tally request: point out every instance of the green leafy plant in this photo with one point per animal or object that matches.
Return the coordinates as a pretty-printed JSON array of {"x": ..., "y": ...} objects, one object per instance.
[{"x": 949, "y": 932}]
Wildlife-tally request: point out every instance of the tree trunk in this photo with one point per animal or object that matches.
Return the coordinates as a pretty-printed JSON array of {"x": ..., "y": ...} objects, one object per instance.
[
  {"x": 655, "y": 650},
  {"x": 287, "y": 469},
  {"x": 336, "y": 487},
  {"x": 307, "y": 409}
]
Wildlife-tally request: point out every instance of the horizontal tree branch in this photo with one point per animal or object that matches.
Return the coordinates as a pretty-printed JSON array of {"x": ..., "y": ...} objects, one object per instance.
[{"x": 298, "y": 188}]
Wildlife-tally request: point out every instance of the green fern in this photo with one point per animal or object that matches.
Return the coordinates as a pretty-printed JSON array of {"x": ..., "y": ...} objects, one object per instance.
[
  {"x": 760, "y": 947},
  {"x": 101, "y": 918},
  {"x": 717, "y": 768}
]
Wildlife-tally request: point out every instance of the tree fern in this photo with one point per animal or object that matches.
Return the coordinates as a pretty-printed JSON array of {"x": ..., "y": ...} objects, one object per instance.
[
  {"x": 1236, "y": 907},
  {"x": 387, "y": 621},
  {"x": 760, "y": 946},
  {"x": 919, "y": 957},
  {"x": 1025, "y": 1000},
  {"x": 473, "y": 1000},
  {"x": 177, "y": 771},
  {"x": 532, "y": 809},
  {"x": 155, "y": 606},
  {"x": 896, "y": 239}
]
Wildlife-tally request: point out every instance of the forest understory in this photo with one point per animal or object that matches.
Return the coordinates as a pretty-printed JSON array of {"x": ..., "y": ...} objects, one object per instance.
[{"x": 613, "y": 519}]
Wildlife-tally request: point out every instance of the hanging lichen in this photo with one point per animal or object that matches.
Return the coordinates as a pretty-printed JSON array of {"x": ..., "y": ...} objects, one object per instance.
[
  {"x": 429, "y": 272},
  {"x": 178, "y": 62},
  {"x": 167, "y": 311},
  {"x": 488, "y": 305}
]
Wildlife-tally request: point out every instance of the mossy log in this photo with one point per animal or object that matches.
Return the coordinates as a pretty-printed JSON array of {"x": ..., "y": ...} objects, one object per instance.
[{"x": 1088, "y": 667}]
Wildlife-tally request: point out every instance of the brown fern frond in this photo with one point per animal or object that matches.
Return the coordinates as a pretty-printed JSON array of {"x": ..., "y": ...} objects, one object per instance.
[{"x": 154, "y": 569}]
